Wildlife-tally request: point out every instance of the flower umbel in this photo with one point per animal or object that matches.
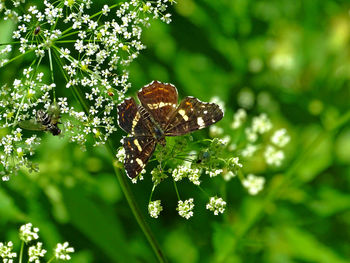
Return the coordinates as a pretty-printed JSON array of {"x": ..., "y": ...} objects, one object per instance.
[
  {"x": 28, "y": 233},
  {"x": 154, "y": 208},
  {"x": 185, "y": 208},
  {"x": 62, "y": 251},
  {"x": 217, "y": 205},
  {"x": 254, "y": 184}
]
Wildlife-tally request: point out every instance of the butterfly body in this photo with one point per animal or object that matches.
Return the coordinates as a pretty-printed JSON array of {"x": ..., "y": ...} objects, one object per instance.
[{"x": 158, "y": 116}]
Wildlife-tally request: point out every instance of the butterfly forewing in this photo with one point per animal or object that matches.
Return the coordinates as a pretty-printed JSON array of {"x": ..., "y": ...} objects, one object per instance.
[
  {"x": 192, "y": 114},
  {"x": 132, "y": 120},
  {"x": 160, "y": 100},
  {"x": 138, "y": 150}
]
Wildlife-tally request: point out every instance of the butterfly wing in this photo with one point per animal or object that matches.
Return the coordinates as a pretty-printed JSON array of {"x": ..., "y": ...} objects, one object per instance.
[
  {"x": 138, "y": 150},
  {"x": 160, "y": 100},
  {"x": 32, "y": 125},
  {"x": 191, "y": 115},
  {"x": 133, "y": 119}
]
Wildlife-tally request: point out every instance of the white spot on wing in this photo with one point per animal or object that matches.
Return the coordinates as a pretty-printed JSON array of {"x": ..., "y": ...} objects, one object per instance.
[
  {"x": 136, "y": 142},
  {"x": 183, "y": 114},
  {"x": 200, "y": 122},
  {"x": 139, "y": 161},
  {"x": 135, "y": 121}
]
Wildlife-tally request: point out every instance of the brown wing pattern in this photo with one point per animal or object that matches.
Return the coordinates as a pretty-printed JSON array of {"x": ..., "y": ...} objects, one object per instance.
[
  {"x": 160, "y": 100},
  {"x": 192, "y": 114},
  {"x": 132, "y": 120},
  {"x": 138, "y": 150}
]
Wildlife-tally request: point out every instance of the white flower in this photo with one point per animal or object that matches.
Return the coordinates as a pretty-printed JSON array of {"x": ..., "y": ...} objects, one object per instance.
[
  {"x": 273, "y": 156},
  {"x": 28, "y": 233},
  {"x": 252, "y": 136},
  {"x": 229, "y": 175},
  {"x": 261, "y": 124},
  {"x": 154, "y": 208},
  {"x": 213, "y": 173},
  {"x": 249, "y": 150},
  {"x": 215, "y": 131},
  {"x": 217, "y": 205},
  {"x": 6, "y": 252},
  {"x": 62, "y": 251},
  {"x": 35, "y": 252},
  {"x": 280, "y": 138},
  {"x": 183, "y": 171},
  {"x": 238, "y": 118},
  {"x": 246, "y": 98},
  {"x": 253, "y": 183},
  {"x": 234, "y": 161},
  {"x": 185, "y": 208}
]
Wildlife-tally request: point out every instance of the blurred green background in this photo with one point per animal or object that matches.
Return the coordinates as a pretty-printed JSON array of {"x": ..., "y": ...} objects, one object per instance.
[{"x": 293, "y": 55}]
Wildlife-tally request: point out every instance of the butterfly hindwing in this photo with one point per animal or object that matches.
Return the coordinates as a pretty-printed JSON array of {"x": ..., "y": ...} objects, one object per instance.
[
  {"x": 138, "y": 150},
  {"x": 160, "y": 100},
  {"x": 192, "y": 114},
  {"x": 132, "y": 118}
]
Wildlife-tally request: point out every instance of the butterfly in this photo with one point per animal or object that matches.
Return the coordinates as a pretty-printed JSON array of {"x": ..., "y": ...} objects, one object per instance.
[{"x": 158, "y": 116}]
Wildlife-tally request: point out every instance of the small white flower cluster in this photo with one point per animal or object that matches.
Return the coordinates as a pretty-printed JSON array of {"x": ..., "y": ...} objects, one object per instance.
[
  {"x": 260, "y": 125},
  {"x": 280, "y": 138},
  {"x": 274, "y": 156},
  {"x": 254, "y": 184},
  {"x": 154, "y": 208},
  {"x": 239, "y": 118},
  {"x": 6, "y": 252},
  {"x": 27, "y": 233},
  {"x": 185, "y": 208},
  {"x": 62, "y": 251},
  {"x": 213, "y": 173},
  {"x": 183, "y": 171},
  {"x": 217, "y": 205},
  {"x": 121, "y": 154},
  {"x": 36, "y": 252},
  {"x": 15, "y": 153}
]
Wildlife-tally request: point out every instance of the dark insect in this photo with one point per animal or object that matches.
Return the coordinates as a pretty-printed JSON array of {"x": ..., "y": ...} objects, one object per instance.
[
  {"x": 44, "y": 121},
  {"x": 159, "y": 115},
  {"x": 37, "y": 30}
]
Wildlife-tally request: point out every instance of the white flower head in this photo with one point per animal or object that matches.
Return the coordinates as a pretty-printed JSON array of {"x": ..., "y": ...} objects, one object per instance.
[
  {"x": 36, "y": 252},
  {"x": 6, "y": 252},
  {"x": 62, "y": 251},
  {"x": 183, "y": 171},
  {"x": 121, "y": 155},
  {"x": 154, "y": 208},
  {"x": 261, "y": 124},
  {"x": 254, "y": 184},
  {"x": 280, "y": 138},
  {"x": 215, "y": 131},
  {"x": 229, "y": 175},
  {"x": 185, "y": 208},
  {"x": 238, "y": 118},
  {"x": 27, "y": 233},
  {"x": 273, "y": 156},
  {"x": 217, "y": 205}
]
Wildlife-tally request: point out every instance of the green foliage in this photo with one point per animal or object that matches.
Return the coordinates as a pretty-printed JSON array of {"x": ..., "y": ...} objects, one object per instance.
[{"x": 294, "y": 57}]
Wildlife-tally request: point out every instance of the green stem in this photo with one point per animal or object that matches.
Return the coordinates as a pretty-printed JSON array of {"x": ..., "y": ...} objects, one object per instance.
[
  {"x": 177, "y": 191},
  {"x": 21, "y": 252},
  {"x": 124, "y": 183}
]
